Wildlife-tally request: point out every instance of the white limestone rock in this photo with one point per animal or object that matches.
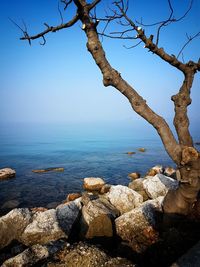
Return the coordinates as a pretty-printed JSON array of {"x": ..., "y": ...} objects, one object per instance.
[
  {"x": 123, "y": 198},
  {"x": 158, "y": 185},
  {"x": 51, "y": 225}
]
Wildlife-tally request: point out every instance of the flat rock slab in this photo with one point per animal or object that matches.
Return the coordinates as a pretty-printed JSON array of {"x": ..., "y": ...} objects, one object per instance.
[
  {"x": 7, "y": 173},
  {"x": 55, "y": 169}
]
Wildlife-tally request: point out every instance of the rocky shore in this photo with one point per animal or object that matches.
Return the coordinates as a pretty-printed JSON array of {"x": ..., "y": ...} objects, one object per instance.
[{"x": 105, "y": 225}]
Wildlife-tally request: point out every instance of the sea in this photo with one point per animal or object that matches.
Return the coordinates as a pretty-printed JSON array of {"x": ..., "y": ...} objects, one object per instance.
[{"x": 83, "y": 150}]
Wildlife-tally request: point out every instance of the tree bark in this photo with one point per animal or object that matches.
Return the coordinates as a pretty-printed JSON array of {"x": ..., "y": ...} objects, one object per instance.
[
  {"x": 181, "y": 101},
  {"x": 181, "y": 200}
]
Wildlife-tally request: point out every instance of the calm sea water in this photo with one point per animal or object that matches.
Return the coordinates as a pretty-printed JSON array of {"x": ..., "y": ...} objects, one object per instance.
[{"x": 83, "y": 151}]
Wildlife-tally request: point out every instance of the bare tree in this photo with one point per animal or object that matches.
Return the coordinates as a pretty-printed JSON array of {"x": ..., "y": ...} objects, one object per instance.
[{"x": 182, "y": 151}]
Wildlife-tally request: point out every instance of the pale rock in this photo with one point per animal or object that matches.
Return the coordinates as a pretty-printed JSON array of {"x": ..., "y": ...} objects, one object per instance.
[
  {"x": 12, "y": 225},
  {"x": 123, "y": 198},
  {"x": 52, "y": 224},
  {"x": 158, "y": 168},
  {"x": 93, "y": 183},
  {"x": 7, "y": 173},
  {"x": 138, "y": 226},
  {"x": 97, "y": 218},
  {"x": 43, "y": 228},
  {"x": 159, "y": 185}
]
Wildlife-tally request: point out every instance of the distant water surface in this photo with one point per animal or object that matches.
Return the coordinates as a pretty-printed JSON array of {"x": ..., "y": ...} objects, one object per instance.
[{"x": 83, "y": 151}]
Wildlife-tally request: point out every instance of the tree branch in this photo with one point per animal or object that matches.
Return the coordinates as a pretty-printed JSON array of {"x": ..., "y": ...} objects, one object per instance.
[
  {"x": 190, "y": 38},
  {"x": 149, "y": 44},
  {"x": 113, "y": 78},
  {"x": 50, "y": 29}
]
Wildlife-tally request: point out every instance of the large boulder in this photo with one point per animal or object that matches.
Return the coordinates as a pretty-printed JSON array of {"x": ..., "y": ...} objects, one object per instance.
[
  {"x": 124, "y": 198},
  {"x": 43, "y": 228},
  {"x": 12, "y": 225},
  {"x": 7, "y": 173},
  {"x": 93, "y": 183},
  {"x": 138, "y": 226},
  {"x": 97, "y": 218},
  {"x": 51, "y": 225},
  {"x": 158, "y": 185}
]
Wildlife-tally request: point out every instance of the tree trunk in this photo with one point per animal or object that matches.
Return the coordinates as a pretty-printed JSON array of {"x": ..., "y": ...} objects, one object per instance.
[
  {"x": 182, "y": 200},
  {"x": 183, "y": 154}
]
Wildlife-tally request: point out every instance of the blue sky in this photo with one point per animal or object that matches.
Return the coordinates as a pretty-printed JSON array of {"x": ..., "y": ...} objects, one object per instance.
[{"x": 59, "y": 82}]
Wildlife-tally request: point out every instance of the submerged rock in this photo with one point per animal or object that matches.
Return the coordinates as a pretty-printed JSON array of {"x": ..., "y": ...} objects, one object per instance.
[
  {"x": 11, "y": 204},
  {"x": 123, "y": 198},
  {"x": 159, "y": 185},
  {"x": 142, "y": 149},
  {"x": 7, "y": 173},
  {"x": 130, "y": 153},
  {"x": 56, "y": 169},
  {"x": 93, "y": 183},
  {"x": 138, "y": 226}
]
